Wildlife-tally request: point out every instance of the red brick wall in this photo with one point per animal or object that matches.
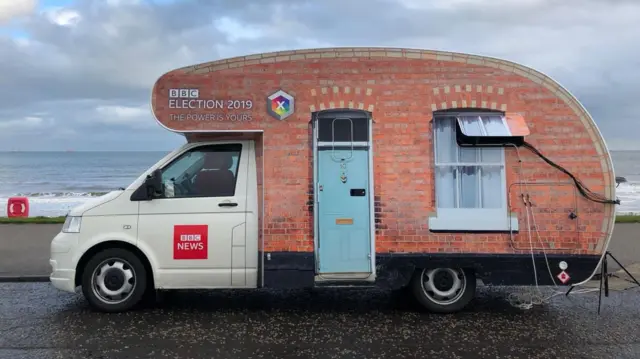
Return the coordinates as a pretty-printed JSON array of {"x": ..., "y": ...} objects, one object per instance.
[{"x": 402, "y": 88}]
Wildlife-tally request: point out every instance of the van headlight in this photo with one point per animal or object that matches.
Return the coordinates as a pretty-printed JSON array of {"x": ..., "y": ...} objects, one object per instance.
[{"x": 71, "y": 224}]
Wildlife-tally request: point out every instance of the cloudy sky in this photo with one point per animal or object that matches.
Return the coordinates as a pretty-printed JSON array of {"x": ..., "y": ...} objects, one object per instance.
[{"x": 77, "y": 74}]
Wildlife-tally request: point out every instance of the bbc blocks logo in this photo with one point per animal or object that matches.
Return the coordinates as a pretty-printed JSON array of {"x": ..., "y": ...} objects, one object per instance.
[
  {"x": 280, "y": 105},
  {"x": 184, "y": 93}
]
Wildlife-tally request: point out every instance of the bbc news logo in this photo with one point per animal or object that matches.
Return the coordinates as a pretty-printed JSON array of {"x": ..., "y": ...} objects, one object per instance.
[
  {"x": 184, "y": 93},
  {"x": 190, "y": 237},
  {"x": 190, "y": 241}
]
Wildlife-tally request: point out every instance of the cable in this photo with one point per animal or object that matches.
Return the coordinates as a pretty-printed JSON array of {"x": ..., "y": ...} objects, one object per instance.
[
  {"x": 587, "y": 193},
  {"x": 539, "y": 298},
  {"x": 534, "y": 298},
  {"x": 581, "y": 188}
]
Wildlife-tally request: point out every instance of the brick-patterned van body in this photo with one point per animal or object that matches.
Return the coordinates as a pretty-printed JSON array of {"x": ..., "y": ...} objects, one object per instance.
[{"x": 392, "y": 160}]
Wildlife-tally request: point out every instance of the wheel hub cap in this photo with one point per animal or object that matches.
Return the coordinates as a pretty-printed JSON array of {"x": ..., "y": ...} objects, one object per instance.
[
  {"x": 443, "y": 280},
  {"x": 443, "y": 285},
  {"x": 113, "y": 281}
]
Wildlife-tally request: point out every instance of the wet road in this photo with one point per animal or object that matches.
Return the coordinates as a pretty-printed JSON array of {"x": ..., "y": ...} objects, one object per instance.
[{"x": 38, "y": 322}]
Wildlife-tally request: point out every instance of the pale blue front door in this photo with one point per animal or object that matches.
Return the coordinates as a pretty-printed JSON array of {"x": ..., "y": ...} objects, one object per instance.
[{"x": 344, "y": 241}]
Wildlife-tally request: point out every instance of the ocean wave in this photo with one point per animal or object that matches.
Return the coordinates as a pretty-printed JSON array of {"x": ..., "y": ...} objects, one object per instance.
[
  {"x": 58, "y": 194},
  {"x": 58, "y": 203},
  {"x": 628, "y": 187},
  {"x": 48, "y": 206}
]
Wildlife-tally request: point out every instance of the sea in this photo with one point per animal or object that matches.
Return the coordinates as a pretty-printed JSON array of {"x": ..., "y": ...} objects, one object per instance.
[{"x": 55, "y": 182}]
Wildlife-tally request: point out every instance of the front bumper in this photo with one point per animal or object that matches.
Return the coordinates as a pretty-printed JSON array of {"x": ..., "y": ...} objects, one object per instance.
[
  {"x": 62, "y": 279},
  {"x": 63, "y": 271}
]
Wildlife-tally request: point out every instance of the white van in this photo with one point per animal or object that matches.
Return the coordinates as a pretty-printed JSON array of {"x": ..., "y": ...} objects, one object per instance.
[{"x": 124, "y": 242}]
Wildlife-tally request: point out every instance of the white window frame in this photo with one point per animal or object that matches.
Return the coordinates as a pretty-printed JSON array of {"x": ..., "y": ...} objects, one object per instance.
[{"x": 471, "y": 219}]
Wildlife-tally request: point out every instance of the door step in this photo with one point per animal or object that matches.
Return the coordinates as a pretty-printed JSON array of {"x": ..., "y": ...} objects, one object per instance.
[{"x": 345, "y": 284}]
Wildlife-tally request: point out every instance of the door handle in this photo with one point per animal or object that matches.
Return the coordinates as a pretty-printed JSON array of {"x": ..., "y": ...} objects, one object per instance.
[{"x": 227, "y": 204}]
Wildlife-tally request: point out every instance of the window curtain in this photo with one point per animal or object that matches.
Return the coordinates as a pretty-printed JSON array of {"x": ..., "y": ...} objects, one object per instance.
[{"x": 467, "y": 177}]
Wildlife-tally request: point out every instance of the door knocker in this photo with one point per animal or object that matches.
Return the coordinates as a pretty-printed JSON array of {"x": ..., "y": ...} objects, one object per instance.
[{"x": 343, "y": 175}]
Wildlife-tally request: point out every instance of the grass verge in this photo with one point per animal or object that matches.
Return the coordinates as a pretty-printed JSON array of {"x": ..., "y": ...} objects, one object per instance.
[
  {"x": 623, "y": 218},
  {"x": 628, "y": 218}
]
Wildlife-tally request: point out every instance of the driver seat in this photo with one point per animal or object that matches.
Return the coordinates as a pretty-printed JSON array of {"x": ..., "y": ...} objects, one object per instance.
[{"x": 215, "y": 179}]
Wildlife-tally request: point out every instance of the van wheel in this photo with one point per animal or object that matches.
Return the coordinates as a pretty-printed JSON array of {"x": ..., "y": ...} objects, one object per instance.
[
  {"x": 444, "y": 290},
  {"x": 114, "y": 280}
]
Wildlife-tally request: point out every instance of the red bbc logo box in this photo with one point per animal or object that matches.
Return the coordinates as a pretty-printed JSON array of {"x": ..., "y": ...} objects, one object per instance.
[
  {"x": 18, "y": 207},
  {"x": 191, "y": 241}
]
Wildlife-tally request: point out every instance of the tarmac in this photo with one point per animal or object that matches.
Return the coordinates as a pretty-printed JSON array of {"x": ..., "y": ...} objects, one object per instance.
[
  {"x": 37, "y": 321},
  {"x": 24, "y": 250}
]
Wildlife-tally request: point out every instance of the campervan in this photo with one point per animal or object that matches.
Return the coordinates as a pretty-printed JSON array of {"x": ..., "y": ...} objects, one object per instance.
[{"x": 385, "y": 168}]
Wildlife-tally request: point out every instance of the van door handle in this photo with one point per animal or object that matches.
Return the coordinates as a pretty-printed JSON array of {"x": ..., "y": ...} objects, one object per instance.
[{"x": 227, "y": 204}]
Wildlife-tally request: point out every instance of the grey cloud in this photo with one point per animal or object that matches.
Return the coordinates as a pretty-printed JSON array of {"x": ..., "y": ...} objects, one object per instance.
[
  {"x": 9, "y": 10},
  {"x": 112, "y": 56}
]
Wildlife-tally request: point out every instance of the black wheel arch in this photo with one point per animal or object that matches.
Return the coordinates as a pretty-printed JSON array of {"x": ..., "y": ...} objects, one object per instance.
[{"x": 396, "y": 272}]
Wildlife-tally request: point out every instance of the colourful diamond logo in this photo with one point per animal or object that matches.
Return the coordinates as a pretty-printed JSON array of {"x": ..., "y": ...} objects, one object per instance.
[{"x": 280, "y": 105}]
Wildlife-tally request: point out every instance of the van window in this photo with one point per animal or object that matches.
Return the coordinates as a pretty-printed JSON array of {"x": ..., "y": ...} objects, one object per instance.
[{"x": 206, "y": 171}]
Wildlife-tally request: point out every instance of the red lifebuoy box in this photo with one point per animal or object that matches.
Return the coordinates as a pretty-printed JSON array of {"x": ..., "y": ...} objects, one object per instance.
[{"x": 18, "y": 207}]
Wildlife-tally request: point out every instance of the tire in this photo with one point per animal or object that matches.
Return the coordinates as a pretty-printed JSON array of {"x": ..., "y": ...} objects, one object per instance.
[
  {"x": 443, "y": 283},
  {"x": 122, "y": 265}
]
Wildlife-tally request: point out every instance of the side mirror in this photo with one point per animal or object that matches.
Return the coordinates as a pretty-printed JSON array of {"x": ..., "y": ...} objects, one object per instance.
[
  {"x": 151, "y": 188},
  {"x": 620, "y": 179},
  {"x": 153, "y": 184}
]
